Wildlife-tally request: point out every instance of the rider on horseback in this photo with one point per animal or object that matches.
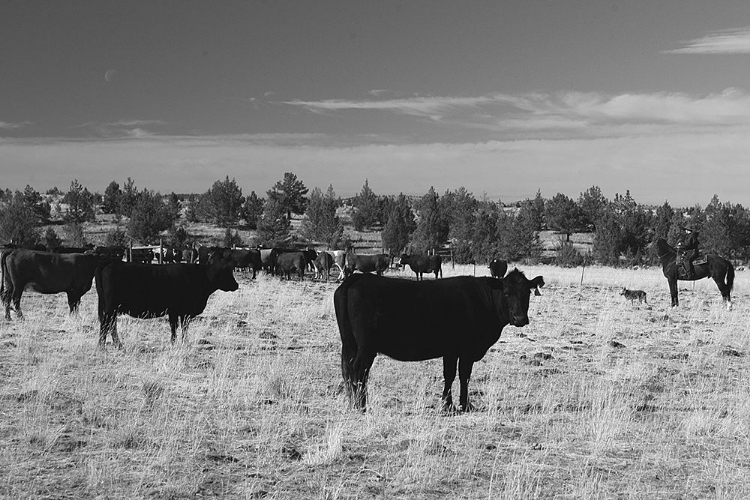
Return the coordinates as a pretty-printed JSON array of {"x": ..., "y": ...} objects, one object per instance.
[{"x": 688, "y": 248}]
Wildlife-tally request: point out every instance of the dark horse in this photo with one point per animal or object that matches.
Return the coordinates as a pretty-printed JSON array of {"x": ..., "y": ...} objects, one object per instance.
[{"x": 716, "y": 267}]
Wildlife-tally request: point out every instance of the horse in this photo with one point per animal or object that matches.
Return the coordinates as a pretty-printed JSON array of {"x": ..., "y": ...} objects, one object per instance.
[{"x": 718, "y": 268}]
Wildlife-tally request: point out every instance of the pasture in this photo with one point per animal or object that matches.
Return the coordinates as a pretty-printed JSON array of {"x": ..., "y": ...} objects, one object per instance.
[{"x": 597, "y": 398}]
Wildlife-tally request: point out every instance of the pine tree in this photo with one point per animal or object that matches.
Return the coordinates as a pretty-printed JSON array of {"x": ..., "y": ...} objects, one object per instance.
[
  {"x": 80, "y": 204},
  {"x": 321, "y": 222},
  {"x": 366, "y": 209},
  {"x": 18, "y": 222},
  {"x": 432, "y": 226},
  {"x": 223, "y": 202},
  {"x": 289, "y": 193},
  {"x": 460, "y": 209},
  {"x": 562, "y": 215},
  {"x": 252, "y": 210},
  {"x": 149, "y": 217},
  {"x": 112, "y": 199},
  {"x": 273, "y": 226},
  {"x": 399, "y": 226}
]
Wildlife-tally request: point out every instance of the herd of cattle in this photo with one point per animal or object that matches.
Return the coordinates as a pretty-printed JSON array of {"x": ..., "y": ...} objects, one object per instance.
[{"x": 457, "y": 318}]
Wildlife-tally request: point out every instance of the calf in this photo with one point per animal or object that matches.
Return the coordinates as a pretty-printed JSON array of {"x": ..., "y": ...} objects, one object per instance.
[
  {"x": 180, "y": 291},
  {"x": 457, "y": 319}
]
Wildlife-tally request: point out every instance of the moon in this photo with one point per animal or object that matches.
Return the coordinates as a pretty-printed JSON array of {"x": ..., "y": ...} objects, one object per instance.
[{"x": 110, "y": 75}]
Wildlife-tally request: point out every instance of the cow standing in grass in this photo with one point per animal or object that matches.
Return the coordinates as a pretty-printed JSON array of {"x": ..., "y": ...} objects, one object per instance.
[
  {"x": 421, "y": 264},
  {"x": 288, "y": 262},
  {"x": 457, "y": 319},
  {"x": 323, "y": 264},
  {"x": 377, "y": 263},
  {"x": 45, "y": 272},
  {"x": 180, "y": 291}
]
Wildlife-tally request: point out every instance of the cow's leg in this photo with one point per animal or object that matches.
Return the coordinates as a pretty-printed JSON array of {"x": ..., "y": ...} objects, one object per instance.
[
  {"x": 464, "y": 374},
  {"x": 6, "y": 295},
  {"x": 449, "y": 375},
  {"x": 17, "y": 302},
  {"x": 108, "y": 325},
  {"x": 173, "y": 318},
  {"x": 73, "y": 301},
  {"x": 362, "y": 365}
]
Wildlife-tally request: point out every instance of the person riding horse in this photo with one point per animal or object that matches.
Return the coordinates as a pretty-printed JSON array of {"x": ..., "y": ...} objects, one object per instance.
[{"x": 688, "y": 249}]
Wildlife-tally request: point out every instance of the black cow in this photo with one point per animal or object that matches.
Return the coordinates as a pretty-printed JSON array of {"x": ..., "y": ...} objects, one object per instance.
[
  {"x": 190, "y": 255},
  {"x": 110, "y": 253},
  {"x": 310, "y": 256},
  {"x": 376, "y": 263},
  {"x": 323, "y": 264},
  {"x": 177, "y": 255},
  {"x": 268, "y": 259},
  {"x": 457, "y": 319},
  {"x": 287, "y": 262},
  {"x": 45, "y": 272},
  {"x": 246, "y": 259},
  {"x": 421, "y": 264},
  {"x": 168, "y": 255},
  {"x": 180, "y": 291},
  {"x": 498, "y": 268}
]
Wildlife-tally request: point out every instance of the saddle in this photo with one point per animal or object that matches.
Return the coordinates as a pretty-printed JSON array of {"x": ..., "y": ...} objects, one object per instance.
[{"x": 701, "y": 259}]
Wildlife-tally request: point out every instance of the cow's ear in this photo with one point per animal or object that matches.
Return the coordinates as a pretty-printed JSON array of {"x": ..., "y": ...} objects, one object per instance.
[{"x": 536, "y": 283}]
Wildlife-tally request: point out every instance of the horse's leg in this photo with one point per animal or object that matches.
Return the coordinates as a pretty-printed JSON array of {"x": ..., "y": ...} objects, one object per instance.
[
  {"x": 724, "y": 289},
  {"x": 673, "y": 292}
]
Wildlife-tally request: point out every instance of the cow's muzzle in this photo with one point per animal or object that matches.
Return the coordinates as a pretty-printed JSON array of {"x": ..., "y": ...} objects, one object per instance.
[{"x": 519, "y": 320}]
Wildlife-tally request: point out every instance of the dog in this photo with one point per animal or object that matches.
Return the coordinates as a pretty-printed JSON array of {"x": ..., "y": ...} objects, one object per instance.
[{"x": 634, "y": 294}]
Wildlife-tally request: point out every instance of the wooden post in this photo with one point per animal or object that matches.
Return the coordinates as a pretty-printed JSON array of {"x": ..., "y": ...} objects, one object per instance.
[
  {"x": 161, "y": 252},
  {"x": 130, "y": 252}
]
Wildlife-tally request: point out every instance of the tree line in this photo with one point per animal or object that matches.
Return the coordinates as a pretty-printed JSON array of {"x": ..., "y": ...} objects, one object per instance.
[{"x": 475, "y": 229}]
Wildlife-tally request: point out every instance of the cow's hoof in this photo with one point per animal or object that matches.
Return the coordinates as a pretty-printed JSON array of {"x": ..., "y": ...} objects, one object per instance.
[{"x": 469, "y": 407}]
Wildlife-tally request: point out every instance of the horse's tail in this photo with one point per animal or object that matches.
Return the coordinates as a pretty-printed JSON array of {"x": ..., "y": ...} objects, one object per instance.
[{"x": 730, "y": 276}]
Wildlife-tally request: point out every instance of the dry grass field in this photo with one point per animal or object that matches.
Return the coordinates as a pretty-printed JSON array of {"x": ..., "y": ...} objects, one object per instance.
[{"x": 597, "y": 398}]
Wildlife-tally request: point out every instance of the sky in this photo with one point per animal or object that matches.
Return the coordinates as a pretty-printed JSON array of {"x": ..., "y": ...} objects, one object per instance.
[{"x": 502, "y": 97}]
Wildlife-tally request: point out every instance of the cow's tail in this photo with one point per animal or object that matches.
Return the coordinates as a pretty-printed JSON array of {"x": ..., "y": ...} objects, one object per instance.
[
  {"x": 730, "y": 276},
  {"x": 348, "y": 340},
  {"x": 5, "y": 289}
]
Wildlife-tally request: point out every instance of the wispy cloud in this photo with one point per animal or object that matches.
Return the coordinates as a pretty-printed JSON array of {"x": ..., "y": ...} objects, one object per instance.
[
  {"x": 434, "y": 108},
  {"x": 731, "y": 41},
  {"x": 124, "y": 128},
  {"x": 564, "y": 113},
  {"x": 13, "y": 126}
]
